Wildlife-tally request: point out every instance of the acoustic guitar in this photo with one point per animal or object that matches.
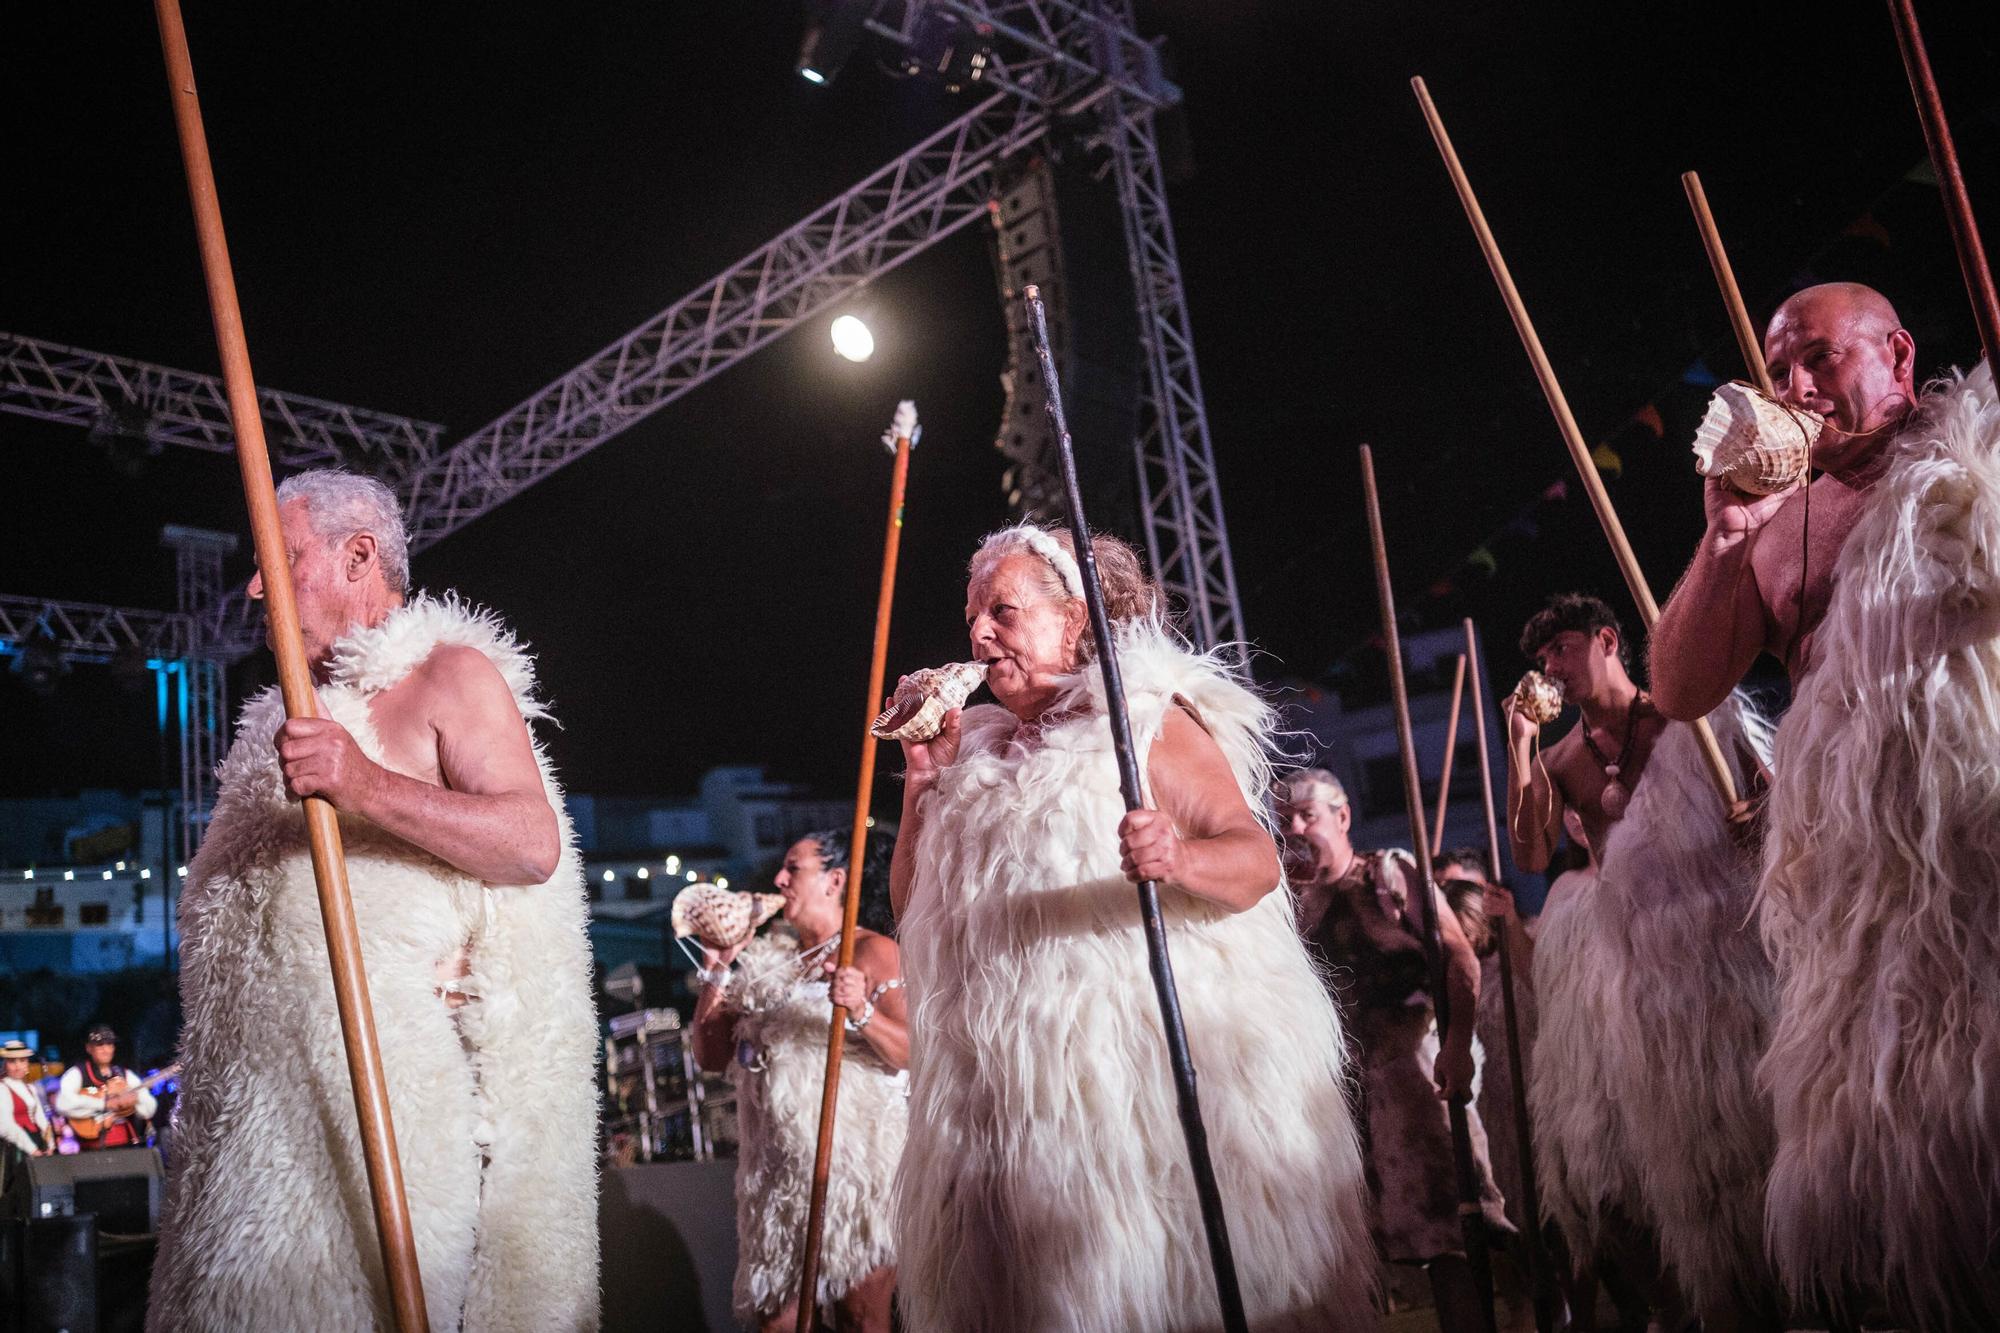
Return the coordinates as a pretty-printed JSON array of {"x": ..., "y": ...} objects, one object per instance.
[{"x": 88, "y": 1128}]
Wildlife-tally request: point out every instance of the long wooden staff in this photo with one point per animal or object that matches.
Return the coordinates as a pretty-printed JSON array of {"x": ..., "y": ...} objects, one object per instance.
[
  {"x": 1725, "y": 279},
  {"x": 1944, "y": 161},
  {"x": 1450, "y": 749},
  {"x": 1471, "y": 1219},
  {"x": 1541, "y": 1273},
  {"x": 1228, "y": 1294},
  {"x": 336, "y": 905},
  {"x": 904, "y": 432},
  {"x": 1579, "y": 452}
]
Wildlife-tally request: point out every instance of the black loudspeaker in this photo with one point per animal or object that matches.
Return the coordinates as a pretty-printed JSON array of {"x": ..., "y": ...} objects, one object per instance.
[
  {"x": 54, "y": 1289},
  {"x": 121, "y": 1186},
  {"x": 1057, "y": 223}
]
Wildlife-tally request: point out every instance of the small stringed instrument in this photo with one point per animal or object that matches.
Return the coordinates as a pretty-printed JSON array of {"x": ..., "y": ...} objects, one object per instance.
[{"x": 88, "y": 1128}]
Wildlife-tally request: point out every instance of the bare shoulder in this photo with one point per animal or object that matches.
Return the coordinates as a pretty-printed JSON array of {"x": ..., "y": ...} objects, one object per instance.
[
  {"x": 460, "y": 681},
  {"x": 876, "y": 954}
]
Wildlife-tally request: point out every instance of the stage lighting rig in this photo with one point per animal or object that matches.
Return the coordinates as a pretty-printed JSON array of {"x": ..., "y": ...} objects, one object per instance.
[
  {"x": 833, "y": 31},
  {"x": 40, "y": 664},
  {"x": 953, "y": 50}
]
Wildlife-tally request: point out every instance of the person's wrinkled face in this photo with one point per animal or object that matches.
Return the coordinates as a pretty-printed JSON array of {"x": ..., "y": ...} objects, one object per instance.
[
  {"x": 1314, "y": 829},
  {"x": 805, "y": 881},
  {"x": 1827, "y": 357},
  {"x": 1026, "y": 638},
  {"x": 102, "y": 1051},
  {"x": 1579, "y": 662},
  {"x": 320, "y": 584}
]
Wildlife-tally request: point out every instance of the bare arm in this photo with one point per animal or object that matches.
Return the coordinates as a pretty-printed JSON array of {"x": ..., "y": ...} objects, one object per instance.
[
  {"x": 1203, "y": 839},
  {"x": 922, "y": 761},
  {"x": 1534, "y": 806},
  {"x": 1715, "y": 623},
  {"x": 714, "y": 1022},
  {"x": 490, "y": 818},
  {"x": 1461, "y": 986},
  {"x": 876, "y": 960}
]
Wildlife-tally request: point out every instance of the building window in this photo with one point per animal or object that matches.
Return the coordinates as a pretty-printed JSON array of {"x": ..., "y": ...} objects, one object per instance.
[
  {"x": 638, "y": 890},
  {"x": 46, "y": 911},
  {"x": 94, "y": 914}
]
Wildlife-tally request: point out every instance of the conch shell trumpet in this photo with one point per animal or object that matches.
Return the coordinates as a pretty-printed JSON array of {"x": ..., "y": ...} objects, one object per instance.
[
  {"x": 721, "y": 918},
  {"x": 917, "y": 712},
  {"x": 1754, "y": 442},
  {"x": 1538, "y": 698}
]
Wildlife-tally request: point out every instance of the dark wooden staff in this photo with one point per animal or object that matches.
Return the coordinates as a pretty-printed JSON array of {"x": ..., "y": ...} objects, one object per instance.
[
  {"x": 1471, "y": 1218},
  {"x": 864, "y": 793},
  {"x": 1944, "y": 161},
  {"x": 1541, "y": 1273},
  {"x": 1450, "y": 750},
  {"x": 1725, "y": 279},
  {"x": 1579, "y": 452},
  {"x": 1228, "y": 1294},
  {"x": 336, "y": 904}
]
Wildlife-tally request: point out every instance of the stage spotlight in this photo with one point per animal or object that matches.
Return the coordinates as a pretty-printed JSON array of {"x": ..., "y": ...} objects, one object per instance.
[
  {"x": 721, "y": 882},
  {"x": 954, "y": 51},
  {"x": 852, "y": 339},
  {"x": 833, "y": 30}
]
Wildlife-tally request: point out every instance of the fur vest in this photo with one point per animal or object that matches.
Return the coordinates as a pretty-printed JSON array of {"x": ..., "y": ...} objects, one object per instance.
[
  {"x": 267, "y": 1221},
  {"x": 1656, "y": 1004},
  {"x": 783, "y": 1028},
  {"x": 1881, "y": 898},
  {"x": 1045, "y": 1185}
]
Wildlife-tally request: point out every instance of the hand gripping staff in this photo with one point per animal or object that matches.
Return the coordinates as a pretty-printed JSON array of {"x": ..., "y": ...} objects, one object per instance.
[
  {"x": 336, "y": 905},
  {"x": 1213, "y": 1222}
]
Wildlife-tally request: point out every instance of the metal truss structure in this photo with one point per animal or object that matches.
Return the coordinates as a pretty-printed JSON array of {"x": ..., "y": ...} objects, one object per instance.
[
  {"x": 82, "y": 632},
  {"x": 1080, "y": 63},
  {"x": 160, "y": 406}
]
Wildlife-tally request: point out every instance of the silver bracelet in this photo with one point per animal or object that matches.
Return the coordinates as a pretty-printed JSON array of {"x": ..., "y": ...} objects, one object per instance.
[
  {"x": 716, "y": 977},
  {"x": 867, "y": 1013}
]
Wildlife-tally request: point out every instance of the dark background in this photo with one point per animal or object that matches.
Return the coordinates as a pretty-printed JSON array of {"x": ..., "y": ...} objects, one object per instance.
[{"x": 434, "y": 210}]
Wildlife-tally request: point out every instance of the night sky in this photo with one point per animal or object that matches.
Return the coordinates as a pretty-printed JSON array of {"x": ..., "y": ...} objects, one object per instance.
[{"x": 435, "y": 210}]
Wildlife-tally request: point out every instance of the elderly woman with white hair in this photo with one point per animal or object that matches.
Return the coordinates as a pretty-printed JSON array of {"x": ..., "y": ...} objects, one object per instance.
[{"x": 1045, "y": 1182}]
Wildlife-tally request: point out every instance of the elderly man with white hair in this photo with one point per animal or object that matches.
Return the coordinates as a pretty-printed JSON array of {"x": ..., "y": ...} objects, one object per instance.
[{"x": 470, "y": 903}]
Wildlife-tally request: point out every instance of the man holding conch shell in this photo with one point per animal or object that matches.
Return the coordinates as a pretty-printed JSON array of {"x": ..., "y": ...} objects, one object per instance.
[
  {"x": 1874, "y": 585},
  {"x": 1762, "y": 576}
]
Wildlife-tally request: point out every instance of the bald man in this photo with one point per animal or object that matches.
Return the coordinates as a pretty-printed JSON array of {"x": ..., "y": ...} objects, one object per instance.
[{"x": 1763, "y": 574}]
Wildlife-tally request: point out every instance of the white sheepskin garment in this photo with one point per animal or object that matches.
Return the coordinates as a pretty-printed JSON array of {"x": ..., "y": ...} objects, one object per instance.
[
  {"x": 267, "y": 1221},
  {"x": 1881, "y": 901},
  {"x": 785, "y": 1016},
  {"x": 1656, "y": 1002},
  {"x": 1045, "y": 1185}
]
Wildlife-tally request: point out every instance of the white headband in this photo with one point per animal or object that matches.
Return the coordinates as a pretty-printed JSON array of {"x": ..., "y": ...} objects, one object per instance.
[{"x": 1048, "y": 548}]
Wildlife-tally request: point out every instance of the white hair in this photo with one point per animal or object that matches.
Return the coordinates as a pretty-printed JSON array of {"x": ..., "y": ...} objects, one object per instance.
[
  {"x": 1032, "y": 540},
  {"x": 341, "y": 505}
]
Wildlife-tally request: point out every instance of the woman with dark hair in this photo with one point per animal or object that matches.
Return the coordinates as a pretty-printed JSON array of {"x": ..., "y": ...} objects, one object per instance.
[
  {"x": 1046, "y": 1185},
  {"x": 763, "y": 1016}
]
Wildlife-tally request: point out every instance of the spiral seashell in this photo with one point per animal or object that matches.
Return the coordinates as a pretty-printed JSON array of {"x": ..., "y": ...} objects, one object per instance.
[
  {"x": 721, "y": 918},
  {"x": 1754, "y": 442},
  {"x": 1538, "y": 698},
  {"x": 917, "y": 712}
]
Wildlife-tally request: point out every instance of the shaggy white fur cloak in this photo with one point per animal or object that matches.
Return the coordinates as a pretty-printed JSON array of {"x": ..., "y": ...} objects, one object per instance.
[
  {"x": 777, "y": 1111},
  {"x": 1656, "y": 1003},
  {"x": 267, "y": 1222},
  {"x": 1045, "y": 1184},
  {"x": 1881, "y": 898}
]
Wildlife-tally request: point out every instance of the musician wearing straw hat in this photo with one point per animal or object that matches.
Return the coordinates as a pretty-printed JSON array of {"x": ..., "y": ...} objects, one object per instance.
[
  {"x": 25, "y": 1130},
  {"x": 1355, "y": 909},
  {"x": 1046, "y": 1184},
  {"x": 470, "y": 900},
  {"x": 763, "y": 1016},
  {"x": 1879, "y": 903}
]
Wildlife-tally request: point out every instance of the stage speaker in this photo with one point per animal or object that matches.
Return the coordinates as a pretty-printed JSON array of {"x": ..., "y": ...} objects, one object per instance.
[
  {"x": 51, "y": 1285},
  {"x": 120, "y": 1186},
  {"x": 1057, "y": 224}
]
